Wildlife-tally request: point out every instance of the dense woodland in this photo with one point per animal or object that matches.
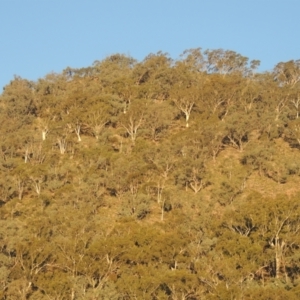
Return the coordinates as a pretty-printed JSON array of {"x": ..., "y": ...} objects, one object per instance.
[{"x": 153, "y": 179}]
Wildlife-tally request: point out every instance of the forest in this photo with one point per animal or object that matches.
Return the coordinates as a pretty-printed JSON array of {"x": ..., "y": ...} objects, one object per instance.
[{"x": 160, "y": 179}]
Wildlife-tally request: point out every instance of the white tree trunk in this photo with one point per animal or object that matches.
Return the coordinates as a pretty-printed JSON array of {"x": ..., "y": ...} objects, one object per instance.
[
  {"x": 62, "y": 144},
  {"x": 44, "y": 134}
]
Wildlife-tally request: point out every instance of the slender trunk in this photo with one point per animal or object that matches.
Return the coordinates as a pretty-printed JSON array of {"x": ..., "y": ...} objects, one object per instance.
[
  {"x": 187, "y": 117},
  {"x": 279, "y": 246},
  {"x": 44, "y": 134},
  {"x": 62, "y": 144},
  {"x": 196, "y": 185},
  {"x": 26, "y": 157},
  {"x": 77, "y": 131},
  {"x": 20, "y": 185},
  {"x": 37, "y": 186},
  {"x": 160, "y": 187}
]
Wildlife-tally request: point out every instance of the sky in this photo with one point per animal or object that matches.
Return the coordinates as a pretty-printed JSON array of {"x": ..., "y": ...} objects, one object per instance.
[{"x": 43, "y": 36}]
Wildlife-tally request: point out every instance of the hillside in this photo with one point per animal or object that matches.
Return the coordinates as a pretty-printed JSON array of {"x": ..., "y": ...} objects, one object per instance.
[{"x": 159, "y": 179}]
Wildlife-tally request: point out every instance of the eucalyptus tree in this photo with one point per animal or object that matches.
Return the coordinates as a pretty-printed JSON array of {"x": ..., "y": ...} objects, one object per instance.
[
  {"x": 271, "y": 225},
  {"x": 154, "y": 76},
  {"x": 287, "y": 73},
  {"x": 219, "y": 96},
  {"x": 18, "y": 101},
  {"x": 194, "y": 60},
  {"x": 159, "y": 117},
  {"x": 133, "y": 120},
  {"x": 227, "y": 62},
  {"x": 292, "y": 133},
  {"x": 112, "y": 68},
  {"x": 237, "y": 129}
]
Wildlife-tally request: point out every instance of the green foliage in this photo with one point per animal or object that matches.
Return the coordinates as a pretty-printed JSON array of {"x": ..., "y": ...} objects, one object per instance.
[{"x": 158, "y": 179}]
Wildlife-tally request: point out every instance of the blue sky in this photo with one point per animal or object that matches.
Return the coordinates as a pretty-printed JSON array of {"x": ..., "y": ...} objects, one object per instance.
[{"x": 43, "y": 36}]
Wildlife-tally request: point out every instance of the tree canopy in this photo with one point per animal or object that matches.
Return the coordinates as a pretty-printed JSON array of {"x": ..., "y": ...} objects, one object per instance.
[{"x": 155, "y": 179}]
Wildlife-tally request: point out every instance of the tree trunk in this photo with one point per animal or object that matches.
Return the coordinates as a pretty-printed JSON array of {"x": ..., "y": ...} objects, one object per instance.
[{"x": 279, "y": 246}]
